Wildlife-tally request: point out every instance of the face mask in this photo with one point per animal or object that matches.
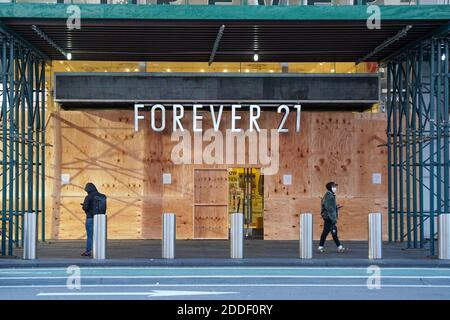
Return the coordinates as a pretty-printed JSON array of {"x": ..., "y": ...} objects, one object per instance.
[{"x": 334, "y": 189}]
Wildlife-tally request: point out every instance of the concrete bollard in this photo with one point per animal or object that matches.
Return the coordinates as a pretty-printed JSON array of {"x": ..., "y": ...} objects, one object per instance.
[
  {"x": 168, "y": 236},
  {"x": 99, "y": 237},
  {"x": 444, "y": 236},
  {"x": 306, "y": 235},
  {"x": 237, "y": 236},
  {"x": 375, "y": 236},
  {"x": 30, "y": 236}
]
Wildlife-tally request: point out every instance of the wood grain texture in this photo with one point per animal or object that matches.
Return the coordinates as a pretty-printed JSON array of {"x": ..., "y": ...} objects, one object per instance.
[{"x": 102, "y": 147}]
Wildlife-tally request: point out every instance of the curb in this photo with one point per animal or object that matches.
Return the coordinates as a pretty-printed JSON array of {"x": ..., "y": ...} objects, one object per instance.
[{"x": 347, "y": 263}]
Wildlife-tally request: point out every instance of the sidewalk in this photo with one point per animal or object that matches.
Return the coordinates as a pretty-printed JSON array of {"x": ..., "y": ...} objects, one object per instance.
[{"x": 215, "y": 253}]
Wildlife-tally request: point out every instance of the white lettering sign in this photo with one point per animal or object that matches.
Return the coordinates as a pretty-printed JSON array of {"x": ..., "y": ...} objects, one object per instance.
[{"x": 158, "y": 111}]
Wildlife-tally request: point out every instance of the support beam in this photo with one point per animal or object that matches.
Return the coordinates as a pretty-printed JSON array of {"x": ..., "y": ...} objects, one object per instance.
[{"x": 418, "y": 141}]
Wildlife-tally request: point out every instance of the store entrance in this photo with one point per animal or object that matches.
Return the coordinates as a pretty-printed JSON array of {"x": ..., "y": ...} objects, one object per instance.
[{"x": 246, "y": 195}]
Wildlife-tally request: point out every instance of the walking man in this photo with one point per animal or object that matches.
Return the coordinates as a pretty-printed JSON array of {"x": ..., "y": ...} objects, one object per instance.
[{"x": 329, "y": 214}]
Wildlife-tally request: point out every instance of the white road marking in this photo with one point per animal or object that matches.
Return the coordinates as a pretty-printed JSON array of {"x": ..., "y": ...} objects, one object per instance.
[
  {"x": 154, "y": 293},
  {"x": 229, "y": 285},
  {"x": 229, "y": 268},
  {"x": 25, "y": 272},
  {"x": 226, "y": 277}
]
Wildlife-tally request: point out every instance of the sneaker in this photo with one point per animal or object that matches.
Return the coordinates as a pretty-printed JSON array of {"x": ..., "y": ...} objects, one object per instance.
[
  {"x": 321, "y": 249},
  {"x": 86, "y": 254},
  {"x": 341, "y": 249}
]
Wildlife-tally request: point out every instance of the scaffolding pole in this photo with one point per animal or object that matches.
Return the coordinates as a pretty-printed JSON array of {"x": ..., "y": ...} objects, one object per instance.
[
  {"x": 418, "y": 141},
  {"x": 22, "y": 162}
]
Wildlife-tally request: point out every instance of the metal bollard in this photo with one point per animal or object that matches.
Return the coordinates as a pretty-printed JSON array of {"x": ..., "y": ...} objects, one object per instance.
[
  {"x": 30, "y": 236},
  {"x": 237, "y": 236},
  {"x": 99, "y": 237},
  {"x": 169, "y": 236},
  {"x": 444, "y": 236},
  {"x": 306, "y": 235},
  {"x": 375, "y": 236}
]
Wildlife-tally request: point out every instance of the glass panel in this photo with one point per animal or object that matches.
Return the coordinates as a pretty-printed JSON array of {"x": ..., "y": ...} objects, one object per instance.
[{"x": 246, "y": 195}]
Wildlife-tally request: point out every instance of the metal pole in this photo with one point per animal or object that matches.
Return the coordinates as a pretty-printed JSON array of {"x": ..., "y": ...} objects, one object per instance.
[
  {"x": 421, "y": 119},
  {"x": 394, "y": 107},
  {"x": 99, "y": 239},
  {"x": 37, "y": 116},
  {"x": 400, "y": 153},
  {"x": 389, "y": 149},
  {"x": 406, "y": 105},
  {"x": 306, "y": 235},
  {"x": 432, "y": 123},
  {"x": 414, "y": 100},
  {"x": 23, "y": 139},
  {"x": 30, "y": 236},
  {"x": 4, "y": 143},
  {"x": 375, "y": 236},
  {"x": 10, "y": 98},
  {"x": 169, "y": 236},
  {"x": 444, "y": 236},
  {"x": 237, "y": 236},
  {"x": 446, "y": 130},
  {"x": 17, "y": 145},
  {"x": 43, "y": 128}
]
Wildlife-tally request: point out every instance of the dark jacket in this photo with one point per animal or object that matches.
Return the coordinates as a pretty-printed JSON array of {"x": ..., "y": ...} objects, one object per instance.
[
  {"x": 329, "y": 207},
  {"x": 88, "y": 204}
]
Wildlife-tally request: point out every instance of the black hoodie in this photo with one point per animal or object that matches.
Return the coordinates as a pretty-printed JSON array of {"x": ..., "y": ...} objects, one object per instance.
[{"x": 88, "y": 204}]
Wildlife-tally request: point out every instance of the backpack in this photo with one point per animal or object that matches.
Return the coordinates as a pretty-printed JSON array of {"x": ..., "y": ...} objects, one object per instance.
[{"x": 99, "y": 204}]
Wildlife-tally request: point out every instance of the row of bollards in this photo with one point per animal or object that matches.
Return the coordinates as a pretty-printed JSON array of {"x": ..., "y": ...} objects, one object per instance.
[{"x": 375, "y": 244}]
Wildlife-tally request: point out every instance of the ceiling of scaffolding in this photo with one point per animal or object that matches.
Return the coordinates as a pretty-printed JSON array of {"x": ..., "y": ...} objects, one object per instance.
[{"x": 194, "y": 33}]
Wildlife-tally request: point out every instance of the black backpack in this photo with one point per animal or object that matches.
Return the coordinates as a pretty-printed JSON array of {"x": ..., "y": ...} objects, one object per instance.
[{"x": 99, "y": 204}]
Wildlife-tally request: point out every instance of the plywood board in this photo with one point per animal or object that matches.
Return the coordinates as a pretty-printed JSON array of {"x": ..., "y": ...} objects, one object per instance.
[
  {"x": 101, "y": 146},
  {"x": 211, "y": 222},
  {"x": 210, "y": 203}
]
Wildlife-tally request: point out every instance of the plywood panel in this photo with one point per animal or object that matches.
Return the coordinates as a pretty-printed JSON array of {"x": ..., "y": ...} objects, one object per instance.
[
  {"x": 210, "y": 203},
  {"x": 352, "y": 223},
  {"x": 210, "y": 187},
  {"x": 295, "y": 151},
  {"x": 99, "y": 147},
  {"x": 211, "y": 222},
  {"x": 102, "y": 147},
  {"x": 332, "y": 152},
  {"x": 342, "y": 147}
]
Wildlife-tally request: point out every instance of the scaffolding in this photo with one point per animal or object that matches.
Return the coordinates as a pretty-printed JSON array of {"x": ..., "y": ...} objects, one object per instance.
[
  {"x": 22, "y": 136},
  {"x": 418, "y": 140}
]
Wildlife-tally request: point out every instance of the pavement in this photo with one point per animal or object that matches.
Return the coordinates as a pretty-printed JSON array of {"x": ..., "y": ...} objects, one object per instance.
[
  {"x": 215, "y": 253},
  {"x": 224, "y": 283}
]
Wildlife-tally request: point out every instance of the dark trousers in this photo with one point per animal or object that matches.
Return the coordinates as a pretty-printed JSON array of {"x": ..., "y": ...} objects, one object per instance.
[
  {"x": 328, "y": 227},
  {"x": 89, "y": 233}
]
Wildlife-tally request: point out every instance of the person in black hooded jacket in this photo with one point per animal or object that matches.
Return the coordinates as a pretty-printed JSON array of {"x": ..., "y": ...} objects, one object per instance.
[
  {"x": 329, "y": 212},
  {"x": 88, "y": 207}
]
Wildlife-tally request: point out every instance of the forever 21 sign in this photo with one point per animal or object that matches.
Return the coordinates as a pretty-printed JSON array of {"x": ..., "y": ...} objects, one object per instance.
[{"x": 216, "y": 112}]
